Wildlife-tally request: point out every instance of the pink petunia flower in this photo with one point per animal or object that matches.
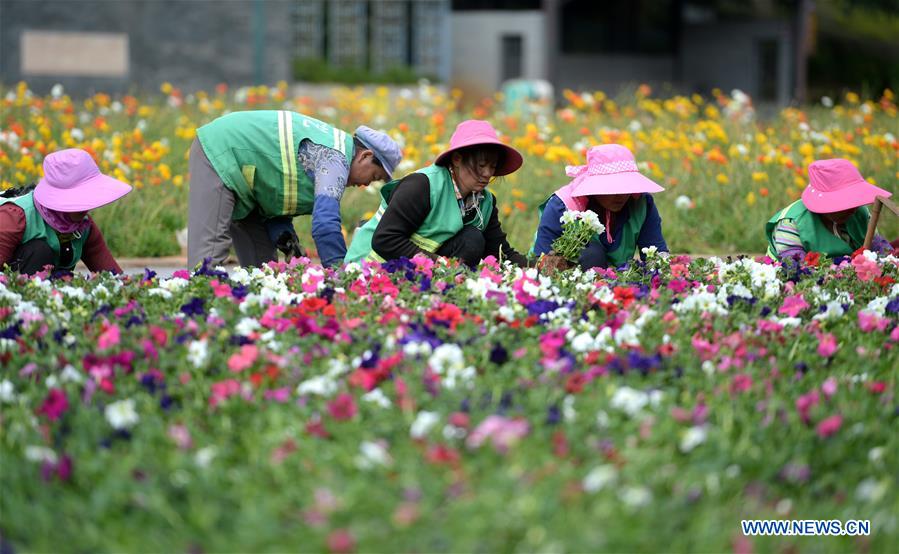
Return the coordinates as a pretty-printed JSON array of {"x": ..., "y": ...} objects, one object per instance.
[
  {"x": 866, "y": 269},
  {"x": 243, "y": 359},
  {"x": 793, "y": 305},
  {"x": 827, "y": 345},
  {"x": 829, "y": 387},
  {"x": 829, "y": 426},
  {"x": 501, "y": 431},
  {"x": 868, "y": 322},
  {"x": 109, "y": 337}
]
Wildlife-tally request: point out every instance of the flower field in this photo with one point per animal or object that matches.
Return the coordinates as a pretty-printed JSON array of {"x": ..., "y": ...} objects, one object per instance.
[
  {"x": 726, "y": 168},
  {"x": 426, "y": 407}
]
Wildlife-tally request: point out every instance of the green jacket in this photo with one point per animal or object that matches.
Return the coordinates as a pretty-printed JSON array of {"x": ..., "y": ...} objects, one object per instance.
[
  {"x": 443, "y": 221},
  {"x": 37, "y": 228},
  {"x": 255, "y": 154},
  {"x": 815, "y": 237}
]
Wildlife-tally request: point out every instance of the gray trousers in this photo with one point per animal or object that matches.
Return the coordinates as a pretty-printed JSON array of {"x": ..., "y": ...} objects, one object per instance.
[{"x": 210, "y": 229}]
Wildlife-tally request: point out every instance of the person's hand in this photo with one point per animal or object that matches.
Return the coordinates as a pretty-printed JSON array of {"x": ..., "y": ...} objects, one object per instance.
[{"x": 552, "y": 262}]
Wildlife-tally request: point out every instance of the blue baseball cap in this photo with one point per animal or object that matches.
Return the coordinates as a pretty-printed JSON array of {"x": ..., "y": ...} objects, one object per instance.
[{"x": 385, "y": 149}]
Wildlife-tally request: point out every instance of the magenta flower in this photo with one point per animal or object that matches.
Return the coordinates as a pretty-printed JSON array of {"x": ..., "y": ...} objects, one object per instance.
[
  {"x": 827, "y": 345},
  {"x": 343, "y": 407},
  {"x": 741, "y": 382},
  {"x": 54, "y": 405},
  {"x": 793, "y": 305},
  {"x": 829, "y": 387},
  {"x": 868, "y": 322},
  {"x": 829, "y": 426},
  {"x": 805, "y": 403}
]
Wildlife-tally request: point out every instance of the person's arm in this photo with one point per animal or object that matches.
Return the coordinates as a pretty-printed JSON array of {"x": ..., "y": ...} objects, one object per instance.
[
  {"x": 329, "y": 170},
  {"x": 651, "y": 232},
  {"x": 495, "y": 241},
  {"x": 787, "y": 243},
  {"x": 407, "y": 209},
  {"x": 550, "y": 226},
  {"x": 95, "y": 254},
  {"x": 12, "y": 229}
]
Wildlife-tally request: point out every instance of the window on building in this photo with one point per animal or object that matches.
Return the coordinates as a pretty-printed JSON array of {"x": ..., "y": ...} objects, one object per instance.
[
  {"x": 619, "y": 26},
  {"x": 767, "y": 54},
  {"x": 512, "y": 57}
]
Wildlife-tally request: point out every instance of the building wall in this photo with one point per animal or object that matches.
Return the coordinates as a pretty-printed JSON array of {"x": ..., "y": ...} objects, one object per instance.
[
  {"x": 477, "y": 47},
  {"x": 192, "y": 44},
  {"x": 726, "y": 55},
  {"x": 612, "y": 73}
]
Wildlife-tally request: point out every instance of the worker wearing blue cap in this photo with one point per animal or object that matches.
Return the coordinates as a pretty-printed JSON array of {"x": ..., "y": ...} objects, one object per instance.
[{"x": 251, "y": 172}]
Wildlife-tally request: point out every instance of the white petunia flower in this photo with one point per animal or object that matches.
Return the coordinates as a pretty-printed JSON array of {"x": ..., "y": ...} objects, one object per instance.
[
  {"x": 423, "y": 423},
  {"x": 693, "y": 437},
  {"x": 599, "y": 477},
  {"x": 121, "y": 414}
]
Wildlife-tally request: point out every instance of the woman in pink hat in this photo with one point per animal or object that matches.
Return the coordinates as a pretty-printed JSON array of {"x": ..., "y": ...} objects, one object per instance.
[
  {"x": 444, "y": 209},
  {"x": 49, "y": 225},
  {"x": 612, "y": 186},
  {"x": 827, "y": 218}
]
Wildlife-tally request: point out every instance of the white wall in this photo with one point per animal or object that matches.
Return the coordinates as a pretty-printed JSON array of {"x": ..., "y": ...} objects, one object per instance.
[{"x": 477, "y": 47}]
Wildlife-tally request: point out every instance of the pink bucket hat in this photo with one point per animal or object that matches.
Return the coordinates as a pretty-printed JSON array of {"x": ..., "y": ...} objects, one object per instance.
[
  {"x": 836, "y": 185},
  {"x": 610, "y": 169},
  {"x": 474, "y": 132},
  {"x": 72, "y": 182}
]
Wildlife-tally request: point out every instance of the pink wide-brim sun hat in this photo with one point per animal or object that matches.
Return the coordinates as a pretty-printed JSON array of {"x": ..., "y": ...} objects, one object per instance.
[
  {"x": 72, "y": 182},
  {"x": 836, "y": 185},
  {"x": 610, "y": 169},
  {"x": 475, "y": 132}
]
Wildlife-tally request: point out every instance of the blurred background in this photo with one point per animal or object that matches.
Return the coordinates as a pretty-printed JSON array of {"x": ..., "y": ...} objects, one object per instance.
[
  {"x": 725, "y": 103},
  {"x": 776, "y": 51}
]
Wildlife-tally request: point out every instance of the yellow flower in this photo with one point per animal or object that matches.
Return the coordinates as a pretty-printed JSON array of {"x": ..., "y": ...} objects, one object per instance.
[
  {"x": 759, "y": 176},
  {"x": 166, "y": 88},
  {"x": 750, "y": 199},
  {"x": 852, "y": 97},
  {"x": 178, "y": 180},
  {"x": 722, "y": 179}
]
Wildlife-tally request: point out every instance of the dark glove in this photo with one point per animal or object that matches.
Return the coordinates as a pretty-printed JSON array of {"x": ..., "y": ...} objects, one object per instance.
[{"x": 289, "y": 244}]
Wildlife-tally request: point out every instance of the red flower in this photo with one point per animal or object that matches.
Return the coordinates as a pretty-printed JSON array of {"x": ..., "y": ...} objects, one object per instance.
[
  {"x": 443, "y": 455},
  {"x": 877, "y": 387},
  {"x": 54, "y": 405},
  {"x": 343, "y": 407},
  {"x": 813, "y": 259},
  {"x": 575, "y": 383},
  {"x": 316, "y": 428}
]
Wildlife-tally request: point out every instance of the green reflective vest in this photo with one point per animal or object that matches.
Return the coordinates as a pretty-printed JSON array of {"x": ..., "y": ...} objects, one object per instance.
[
  {"x": 626, "y": 249},
  {"x": 37, "y": 228},
  {"x": 255, "y": 154},
  {"x": 443, "y": 221},
  {"x": 813, "y": 234}
]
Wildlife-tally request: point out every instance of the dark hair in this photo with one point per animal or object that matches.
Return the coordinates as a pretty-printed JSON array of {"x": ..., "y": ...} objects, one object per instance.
[
  {"x": 358, "y": 145},
  {"x": 470, "y": 155}
]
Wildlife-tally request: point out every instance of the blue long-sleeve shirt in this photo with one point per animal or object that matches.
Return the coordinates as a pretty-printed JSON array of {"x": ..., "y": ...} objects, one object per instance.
[
  {"x": 550, "y": 227},
  {"x": 329, "y": 170}
]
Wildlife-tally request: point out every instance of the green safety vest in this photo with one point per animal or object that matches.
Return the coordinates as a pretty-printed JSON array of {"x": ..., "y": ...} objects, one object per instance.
[
  {"x": 443, "y": 221},
  {"x": 37, "y": 228},
  {"x": 627, "y": 246},
  {"x": 815, "y": 237},
  {"x": 255, "y": 154}
]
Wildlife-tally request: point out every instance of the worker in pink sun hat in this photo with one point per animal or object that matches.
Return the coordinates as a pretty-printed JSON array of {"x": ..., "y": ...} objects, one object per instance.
[
  {"x": 49, "y": 225},
  {"x": 829, "y": 218},
  {"x": 610, "y": 185},
  {"x": 445, "y": 209}
]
